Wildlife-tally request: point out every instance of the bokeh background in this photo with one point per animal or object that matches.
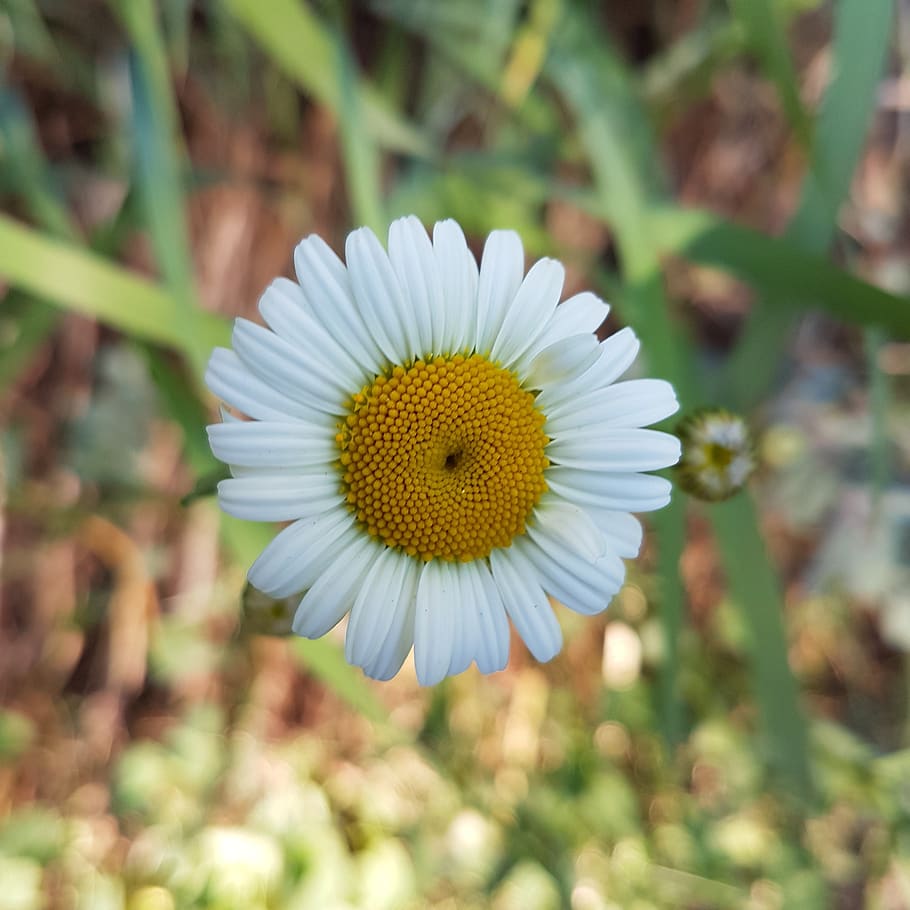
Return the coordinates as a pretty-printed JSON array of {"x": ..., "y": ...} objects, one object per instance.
[{"x": 733, "y": 732}]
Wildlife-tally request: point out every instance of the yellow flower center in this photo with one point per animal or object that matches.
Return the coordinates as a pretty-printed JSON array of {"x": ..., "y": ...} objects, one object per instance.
[{"x": 444, "y": 458}]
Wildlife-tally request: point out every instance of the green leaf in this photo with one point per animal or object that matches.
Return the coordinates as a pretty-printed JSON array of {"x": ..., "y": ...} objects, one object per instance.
[
  {"x": 766, "y": 35},
  {"x": 301, "y": 45},
  {"x": 325, "y": 660},
  {"x": 617, "y": 140},
  {"x": 861, "y": 38},
  {"x": 756, "y": 593},
  {"x": 787, "y": 275},
  {"x": 74, "y": 278},
  {"x": 158, "y": 160},
  {"x": 361, "y": 156},
  {"x": 26, "y": 167}
]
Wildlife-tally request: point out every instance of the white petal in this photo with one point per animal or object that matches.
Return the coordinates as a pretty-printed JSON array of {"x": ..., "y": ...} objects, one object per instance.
[
  {"x": 464, "y": 629},
  {"x": 325, "y": 283},
  {"x": 332, "y": 594},
  {"x": 584, "y": 586},
  {"x": 530, "y": 311},
  {"x": 378, "y": 295},
  {"x": 526, "y": 603},
  {"x": 232, "y": 381},
  {"x": 579, "y": 314},
  {"x": 616, "y": 450},
  {"x": 274, "y": 360},
  {"x": 635, "y": 403},
  {"x": 561, "y": 361},
  {"x": 272, "y": 444},
  {"x": 284, "y": 307},
  {"x": 299, "y": 553},
  {"x": 613, "y": 491},
  {"x": 486, "y": 610},
  {"x": 458, "y": 277},
  {"x": 265, "y": 497},
  {"x": 392, "y": 632},
  {"x": 616, "y": 356},
  {"x": 376, "y": 602},
  {"x": 501, "y": 270},
  {"x": 623, "y": 532},
  {"x": 433, "y": 625},
  {"x": 571, "y": 524},
  {"x": 411, "y": 255}
]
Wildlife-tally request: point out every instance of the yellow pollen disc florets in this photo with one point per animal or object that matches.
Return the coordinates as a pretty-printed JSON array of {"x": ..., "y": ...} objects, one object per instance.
[{"x": 444, "y": 458}]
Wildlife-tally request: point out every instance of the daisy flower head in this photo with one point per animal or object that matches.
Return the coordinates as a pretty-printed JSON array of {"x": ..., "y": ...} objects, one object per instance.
[
  {"x": 449, "y": 443},
  {"x": 718, "y": 454}
]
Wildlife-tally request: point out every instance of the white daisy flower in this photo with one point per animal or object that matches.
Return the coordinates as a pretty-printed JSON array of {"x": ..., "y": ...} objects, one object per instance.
[
  {"x": 450, "y": 446},
  {"x": 718, "y": 454}
]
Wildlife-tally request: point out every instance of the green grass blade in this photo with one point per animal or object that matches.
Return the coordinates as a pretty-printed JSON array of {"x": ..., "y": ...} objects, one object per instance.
[
  {"x": 27, "y": 323},
  {"x": 74, "y": 278},
  {"x": 765, "y": 34},
  {"x": 861, "y": 40},
  {"x": 26, "y": 167},
  {"x": 300, "y": 44},
  {"x": 616, "y": 138},
  {"x": 879, "y": 403},
  {"x": 360, "y": 151},
  {"x": 326, "y": 662},
  {"x": 158, "y": 156},
  {"x": 789, "y": 277},
  {"x": 756, "y": 594}
]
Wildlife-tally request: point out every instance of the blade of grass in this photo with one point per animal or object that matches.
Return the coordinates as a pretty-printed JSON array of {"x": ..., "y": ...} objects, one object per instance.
[
  {"x": 26, "y": 167},
  {"x": 765, "y": 34},
  {"x": 789, "y": 277},
  {"x": 70, "y": 276},
  {"x": 756, "y": 594},
  {"x": 861, "y": 39},
  {"x": 473, "y": 38},
  {"x": 301, "y": 45},
  {"x": 359, "y": 150},
  {"x": 177, "y": 16},
  {"x": 685, "y": 70},
  {"x": 30, "y": 322},
  {"x": 613, "y": 133},
  {"x": 30, "y": 35},
  {"x": 328, "y": 665},
  {"x": 879, "y": 399},
  {"x": 159, "y": 153},
  {"x": 158, "y": 157}
]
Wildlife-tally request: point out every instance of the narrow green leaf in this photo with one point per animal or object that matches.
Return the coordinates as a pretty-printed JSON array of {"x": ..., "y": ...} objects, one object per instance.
[
  {"x": 879, "y": 400},
  {"x": 325, "y": 660},
  {"x": 76, "y": 279},
  {"x": 158, "y": 155},
  {"x": 765, "y": 34},
  {"x": 24, "y": 324},
  {"x": 756, "y": 593},
  {"x": 616, "y": 138},
  {"x": 300, "y": 44},
  {"x": 788, "y": 276},
  {"x": 861, "y": 39},
  {"x": 25, "y": 165},
  {"x": 360, "y": 152}
]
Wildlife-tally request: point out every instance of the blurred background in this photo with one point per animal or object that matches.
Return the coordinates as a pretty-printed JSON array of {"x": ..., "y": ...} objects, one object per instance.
[{"x": 733, "y": 732}]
